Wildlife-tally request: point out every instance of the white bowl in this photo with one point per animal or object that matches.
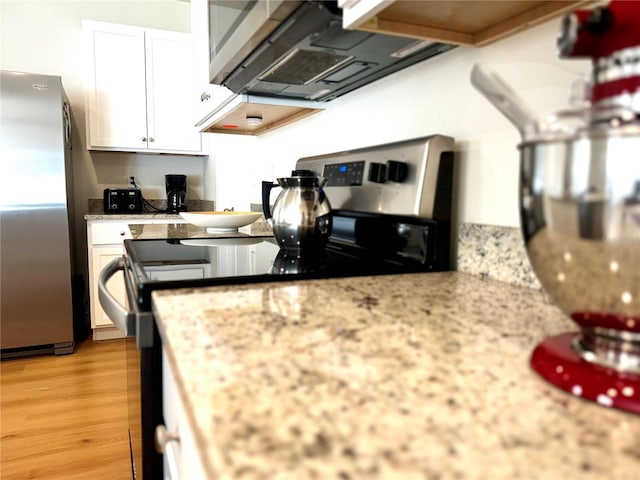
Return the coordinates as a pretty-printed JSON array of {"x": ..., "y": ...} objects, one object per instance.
[{"x": 220, "y": 221}]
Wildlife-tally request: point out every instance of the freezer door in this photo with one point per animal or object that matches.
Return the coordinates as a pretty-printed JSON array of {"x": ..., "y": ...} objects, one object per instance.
[{"x": 35, "y": 256}]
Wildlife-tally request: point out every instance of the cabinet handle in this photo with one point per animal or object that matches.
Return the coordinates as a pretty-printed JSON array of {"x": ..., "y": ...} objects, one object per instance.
[
  {"x": 204, "y": 96},
  {"x": 122, "y": 234},
  {"x": 151, "y": 139},
  {"x": 144, "y": 139},
  {"x": 166, "y": 442}
]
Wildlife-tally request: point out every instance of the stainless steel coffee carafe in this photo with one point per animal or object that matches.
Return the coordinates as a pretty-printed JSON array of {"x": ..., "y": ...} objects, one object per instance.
[{"x": 301, "y": 217}]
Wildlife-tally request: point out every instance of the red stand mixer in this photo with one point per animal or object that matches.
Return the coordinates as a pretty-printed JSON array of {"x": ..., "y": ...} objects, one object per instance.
[
  {"x": 610, "y": 36},
  {"x": 580, "y": 207}
]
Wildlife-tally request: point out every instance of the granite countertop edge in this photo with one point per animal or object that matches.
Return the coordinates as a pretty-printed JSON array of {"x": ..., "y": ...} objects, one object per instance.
[{"x": 403, "y": 376}]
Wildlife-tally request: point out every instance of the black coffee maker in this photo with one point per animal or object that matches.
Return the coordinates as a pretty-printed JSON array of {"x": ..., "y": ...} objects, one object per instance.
[{"x": 176, "y": 193}]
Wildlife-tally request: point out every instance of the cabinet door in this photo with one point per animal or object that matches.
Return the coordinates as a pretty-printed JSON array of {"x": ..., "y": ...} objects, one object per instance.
[
  {"x": 115, "y": 86},
  {"x": 186, "y": 452},
  {"x": 100, "y": 257},
  {"x": 174, "y": 272},
  {"x": 207, "y": 97},
  {"x": 170, "y": 87},
  {"x": 200, "y": 31}
]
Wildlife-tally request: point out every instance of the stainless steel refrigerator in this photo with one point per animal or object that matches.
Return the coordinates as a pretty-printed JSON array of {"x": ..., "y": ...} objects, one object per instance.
[{"x": 36, "y": 217}]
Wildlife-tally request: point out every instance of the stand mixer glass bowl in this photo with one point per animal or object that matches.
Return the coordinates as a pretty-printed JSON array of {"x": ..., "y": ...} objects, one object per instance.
[{"x": 580, "y": 219}]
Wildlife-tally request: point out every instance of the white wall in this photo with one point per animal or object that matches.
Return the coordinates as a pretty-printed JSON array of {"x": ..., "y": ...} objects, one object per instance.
[{"x": 434, "y": 96}]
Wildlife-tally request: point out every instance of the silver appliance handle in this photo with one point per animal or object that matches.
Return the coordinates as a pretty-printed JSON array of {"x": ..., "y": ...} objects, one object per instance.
[{"x": 123, "y": 319}]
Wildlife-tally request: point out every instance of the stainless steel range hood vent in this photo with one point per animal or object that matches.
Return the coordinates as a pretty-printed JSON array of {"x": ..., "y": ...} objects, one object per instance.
[
  {"x": 310, "y": 52},
  {"x": 287, "y": 58}
]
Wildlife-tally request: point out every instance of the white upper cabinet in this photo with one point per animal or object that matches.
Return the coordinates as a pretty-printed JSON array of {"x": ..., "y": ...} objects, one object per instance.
[
  {"x": 139, "y": 90},
  {"x": 170, "y": 87},
  {"x": 208, "y": 96}
]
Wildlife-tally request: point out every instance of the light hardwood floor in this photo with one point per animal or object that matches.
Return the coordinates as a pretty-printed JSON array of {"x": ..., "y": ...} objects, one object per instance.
[{"x": 65, "y": 417}]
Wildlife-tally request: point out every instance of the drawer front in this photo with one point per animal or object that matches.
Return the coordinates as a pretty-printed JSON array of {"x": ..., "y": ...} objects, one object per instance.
[{"x": 109, "y": 233}]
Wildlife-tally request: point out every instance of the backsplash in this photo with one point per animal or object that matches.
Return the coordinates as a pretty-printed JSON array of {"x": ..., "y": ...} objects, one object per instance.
[
  {"x": 495, "y": 252},
  {"x": 260, "y": 226},
  {"x": 96, "y": 205}
]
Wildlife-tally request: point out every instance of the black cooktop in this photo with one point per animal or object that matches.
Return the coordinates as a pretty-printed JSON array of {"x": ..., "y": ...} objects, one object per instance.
[
  {"x": 360, "y": 245},
  {"x": 192, "y": 262}
]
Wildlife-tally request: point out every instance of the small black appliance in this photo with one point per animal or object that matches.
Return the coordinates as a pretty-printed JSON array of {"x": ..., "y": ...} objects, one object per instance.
[
  {"x": 122, "y": 200},
  {"x": 176, "y": 193}
]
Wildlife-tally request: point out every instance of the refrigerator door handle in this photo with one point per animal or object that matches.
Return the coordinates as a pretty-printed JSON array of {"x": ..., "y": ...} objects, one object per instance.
[{"x": 123, "y": 319}]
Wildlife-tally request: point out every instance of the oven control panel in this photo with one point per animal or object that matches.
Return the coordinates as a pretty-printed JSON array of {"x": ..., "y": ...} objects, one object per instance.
[
  {"x": 344, "y": 174},
  {"x": 410, "y": 177}
]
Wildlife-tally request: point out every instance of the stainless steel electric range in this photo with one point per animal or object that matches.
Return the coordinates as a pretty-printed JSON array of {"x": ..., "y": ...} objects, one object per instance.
[{"x": 383, "y": 223}]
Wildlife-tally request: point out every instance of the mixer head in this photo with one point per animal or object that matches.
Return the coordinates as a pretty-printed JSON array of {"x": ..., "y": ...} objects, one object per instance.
[{"x": 610, "y": 36}]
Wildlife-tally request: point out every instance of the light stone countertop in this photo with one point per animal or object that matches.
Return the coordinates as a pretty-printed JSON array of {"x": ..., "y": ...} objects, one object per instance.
[
  {"x": 187, "y": 230},
  {"x": 403, "y": 376}
]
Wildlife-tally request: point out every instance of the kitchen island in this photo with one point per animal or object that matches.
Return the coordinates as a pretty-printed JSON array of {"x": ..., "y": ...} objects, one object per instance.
[{"x": 402, "y": 376}]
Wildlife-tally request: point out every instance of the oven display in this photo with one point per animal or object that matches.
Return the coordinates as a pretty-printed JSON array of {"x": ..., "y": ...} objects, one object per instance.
[{"x": 344, "y": 174}]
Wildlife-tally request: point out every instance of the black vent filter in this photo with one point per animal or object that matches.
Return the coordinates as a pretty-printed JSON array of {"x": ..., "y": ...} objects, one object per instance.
[{"x": 303, "y": 66}]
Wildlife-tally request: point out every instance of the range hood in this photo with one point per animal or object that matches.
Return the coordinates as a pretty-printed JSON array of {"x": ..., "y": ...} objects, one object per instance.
[
  {"x": 306, "y": 58},
  {"x": 310, "y": 56}
]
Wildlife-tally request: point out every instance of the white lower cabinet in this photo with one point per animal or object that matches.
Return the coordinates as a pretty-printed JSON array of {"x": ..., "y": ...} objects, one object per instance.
[
  {"x": 183, "y": 272},
  {"x": 101, "y": 256},
  {"x": 105, "y": 242},
  {"x": 176, "y": 438}
]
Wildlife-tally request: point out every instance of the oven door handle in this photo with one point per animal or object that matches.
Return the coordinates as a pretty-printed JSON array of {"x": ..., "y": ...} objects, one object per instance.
[{"x": 122, "y": 318}]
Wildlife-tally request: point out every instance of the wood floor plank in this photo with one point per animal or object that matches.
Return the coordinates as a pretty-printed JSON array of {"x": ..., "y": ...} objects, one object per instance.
[{"x": 65, "y": 417}]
